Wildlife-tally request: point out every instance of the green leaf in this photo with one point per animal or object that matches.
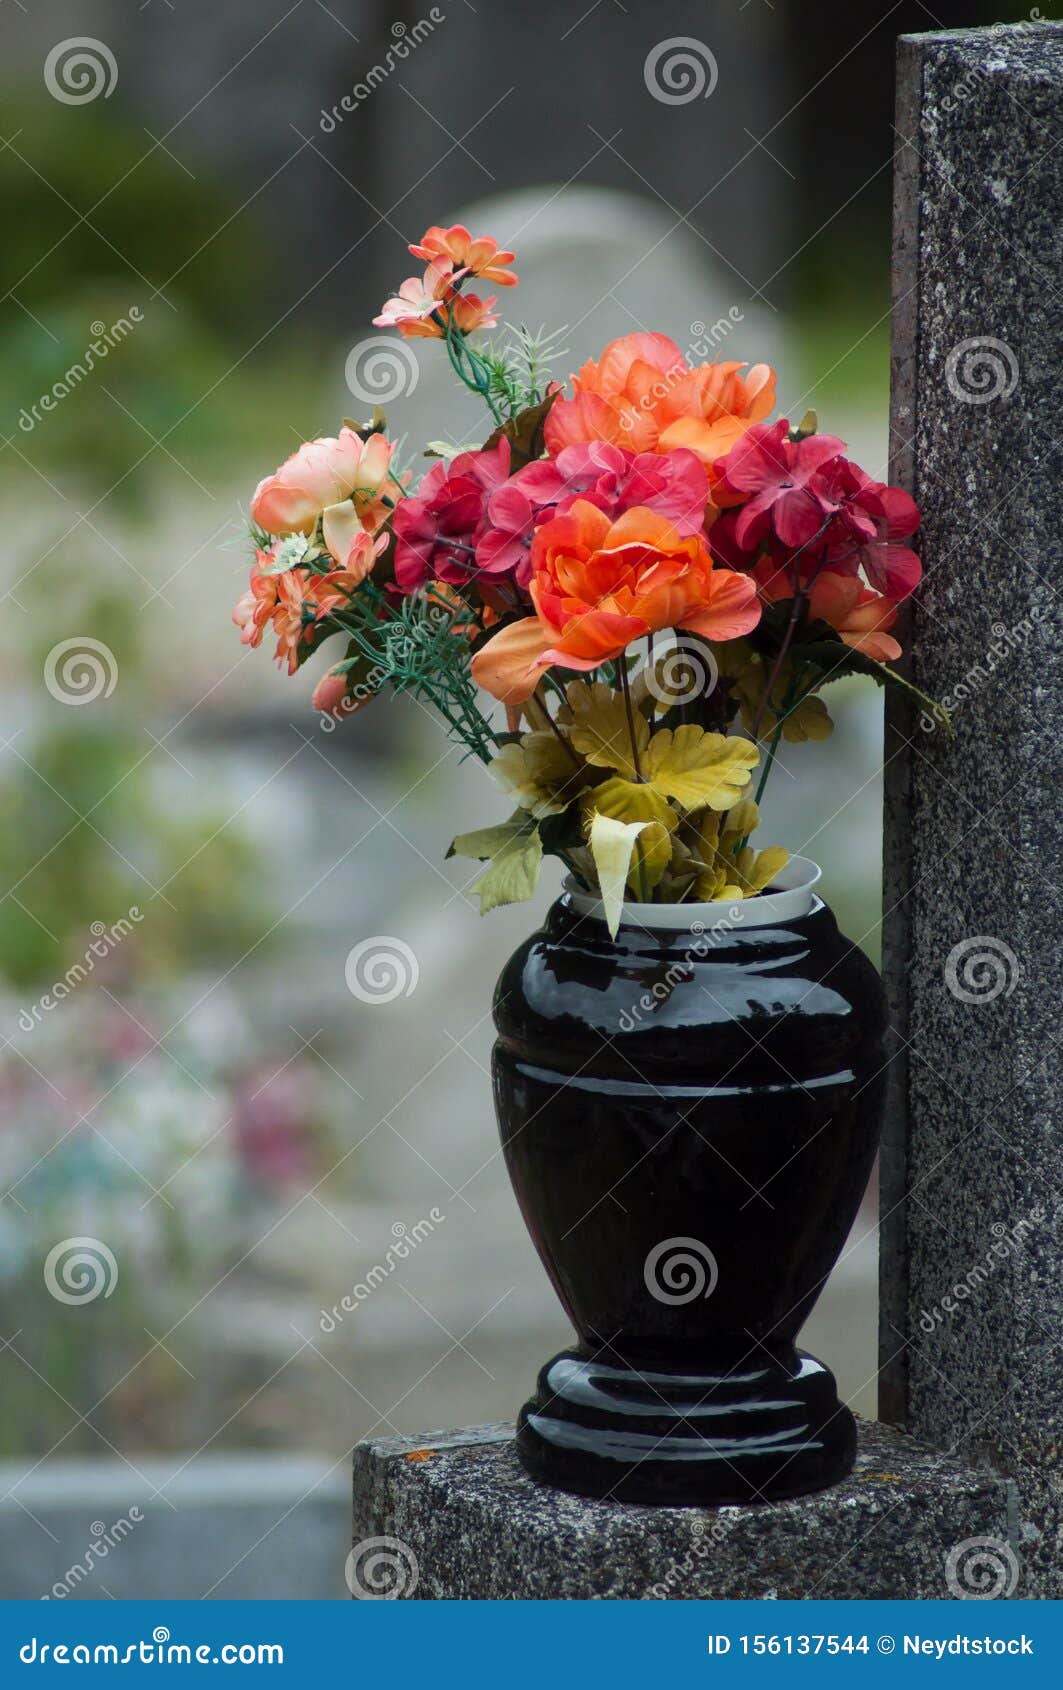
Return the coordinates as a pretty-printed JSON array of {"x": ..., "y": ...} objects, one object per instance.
[
  {"x": 513, "y": 874},
  {"x": 841, "y": 660}
]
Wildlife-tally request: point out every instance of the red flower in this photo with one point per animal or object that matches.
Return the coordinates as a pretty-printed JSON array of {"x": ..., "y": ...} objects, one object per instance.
[
  {"x": 436, "y": 528},
  {"x": 775, "y": 481},
  {"x": 875, "y": 543}
]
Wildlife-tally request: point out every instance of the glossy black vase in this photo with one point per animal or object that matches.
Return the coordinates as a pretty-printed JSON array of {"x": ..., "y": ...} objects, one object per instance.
[{"x": 689, "y": 1116}]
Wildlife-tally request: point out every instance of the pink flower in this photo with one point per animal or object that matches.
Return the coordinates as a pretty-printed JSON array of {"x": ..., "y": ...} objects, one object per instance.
[
  {"x": 330, "y": 696},
  {"x": 436, "y": 528},
  {"x": 323, "y": 473},
  {"x": 672, "y": 484},
  {"x": 413, "y": 310},
  {"x": 774, "y": 479},
  {"x": 270, "y": 1126},
  {"x": 254, "y": 610}
]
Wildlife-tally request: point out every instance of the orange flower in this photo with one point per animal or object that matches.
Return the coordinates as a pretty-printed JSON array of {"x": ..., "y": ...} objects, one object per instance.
[
  {"x": 303, "y": 602},
  {"x": 858, "y": 616},
  {"x": 598, "y": 585},
  {"x": 642, "y": 393},
  {"x": 471, "y": 312},
  {"x": 256, "y": 607},
  {"x": 480, "y": 257}
]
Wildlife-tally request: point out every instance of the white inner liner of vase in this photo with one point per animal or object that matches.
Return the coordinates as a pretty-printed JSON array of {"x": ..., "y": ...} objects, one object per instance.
[{"x": 792, "y": 895}]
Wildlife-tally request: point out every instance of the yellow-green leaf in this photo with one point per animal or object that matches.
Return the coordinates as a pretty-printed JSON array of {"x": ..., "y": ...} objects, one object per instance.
[
  {"x": 697, "y": 768},
  {"x": 756, "y": 870},
  {"x": 538, "y": 773},
  {"x": 810, "y": 719},
  {"x": 486, "y": 842},
  {"x": 513, "y": 873},
  {"x": 597, "y": 724},
  {"x": 629, "y": 801}
]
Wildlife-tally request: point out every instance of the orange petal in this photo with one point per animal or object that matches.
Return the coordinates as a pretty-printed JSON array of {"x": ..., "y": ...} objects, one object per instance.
[
  {"x": 586, "y": 417},
  {"x": 760, "y": 391},
  {"x": 708, "y": 440},
  {"x": 509, "y": 665},
  {"x": 641, "y": 526},
  {"x": 732, "y": 611}
]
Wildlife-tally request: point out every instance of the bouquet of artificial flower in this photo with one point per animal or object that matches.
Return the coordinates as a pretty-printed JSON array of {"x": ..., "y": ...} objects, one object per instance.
[{"x": 652, "y": 580}]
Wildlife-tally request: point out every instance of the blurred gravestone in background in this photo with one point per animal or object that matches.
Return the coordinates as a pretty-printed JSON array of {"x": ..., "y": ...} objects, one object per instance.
[
  {"x": 582, "y": 263},
  {"x": 485, "y": 99}
]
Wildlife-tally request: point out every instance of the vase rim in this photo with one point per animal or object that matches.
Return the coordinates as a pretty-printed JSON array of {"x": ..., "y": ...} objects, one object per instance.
[{"x": 793, "y": 895}]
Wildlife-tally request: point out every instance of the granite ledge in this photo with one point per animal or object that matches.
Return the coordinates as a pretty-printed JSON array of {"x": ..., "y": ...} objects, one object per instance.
[{"x": 479, "y": 1528}]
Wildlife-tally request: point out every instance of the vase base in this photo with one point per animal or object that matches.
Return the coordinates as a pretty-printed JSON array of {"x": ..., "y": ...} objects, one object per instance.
[{"x": 765, "y": 1430}]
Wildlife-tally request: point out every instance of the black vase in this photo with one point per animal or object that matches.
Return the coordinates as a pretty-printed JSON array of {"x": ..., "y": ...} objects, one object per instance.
[{"x": 689, "y": 1113}]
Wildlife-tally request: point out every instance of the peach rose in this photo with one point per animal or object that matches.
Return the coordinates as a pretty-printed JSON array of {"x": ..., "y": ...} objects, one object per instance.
[
  {"x": 324, "y": 474},
  {"x": 642, "y": 393}
]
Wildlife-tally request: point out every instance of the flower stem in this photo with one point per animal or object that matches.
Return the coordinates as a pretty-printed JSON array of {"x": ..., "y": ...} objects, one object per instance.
[{"x": 640, "y": 863}]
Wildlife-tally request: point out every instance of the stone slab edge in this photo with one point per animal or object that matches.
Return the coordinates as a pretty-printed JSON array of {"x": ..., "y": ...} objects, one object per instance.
[{"x": 477, "y": 1527}]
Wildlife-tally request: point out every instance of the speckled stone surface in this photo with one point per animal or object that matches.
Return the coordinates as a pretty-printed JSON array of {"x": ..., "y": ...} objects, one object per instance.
[
  {"x": 478, "y": 1527},
  {"x": 972, "y": 1234}
]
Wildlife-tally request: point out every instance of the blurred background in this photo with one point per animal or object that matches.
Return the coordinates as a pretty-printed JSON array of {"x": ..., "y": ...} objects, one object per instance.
[{"x": 206, "y": 1141}]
